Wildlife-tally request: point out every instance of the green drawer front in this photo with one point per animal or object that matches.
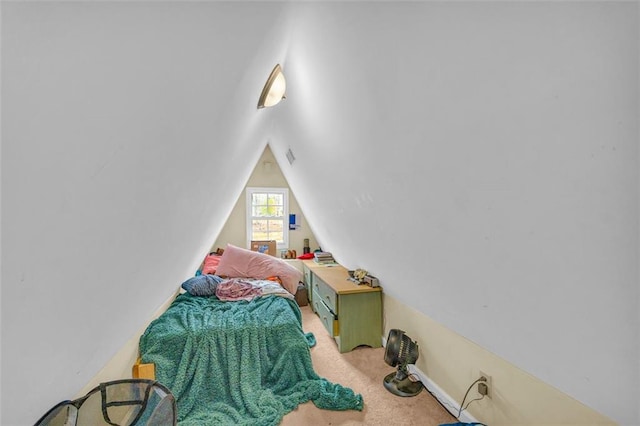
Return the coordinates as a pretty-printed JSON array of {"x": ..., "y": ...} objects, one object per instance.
[
  {"x": 325, "y": 293},
  {"x": 326, "y": 316},
  {"x": 307, "y": 275},
  {"x": 307, "y": 283}
]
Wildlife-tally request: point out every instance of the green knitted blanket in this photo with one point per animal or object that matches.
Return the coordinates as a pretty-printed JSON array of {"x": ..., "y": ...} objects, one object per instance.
[{"x": 238, "y": 363}]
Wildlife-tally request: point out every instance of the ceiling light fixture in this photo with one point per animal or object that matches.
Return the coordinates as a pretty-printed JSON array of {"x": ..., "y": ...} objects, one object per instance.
[{"x": 273, "y": 91}]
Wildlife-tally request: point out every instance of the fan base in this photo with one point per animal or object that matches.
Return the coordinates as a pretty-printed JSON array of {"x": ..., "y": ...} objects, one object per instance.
[{"x": 403, "y": 387}]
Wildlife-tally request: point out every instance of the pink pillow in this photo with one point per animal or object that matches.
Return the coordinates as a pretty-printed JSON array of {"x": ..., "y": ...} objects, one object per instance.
[
  {"x": 210, "y": 264},
  {"x": 237, "y": 262}
]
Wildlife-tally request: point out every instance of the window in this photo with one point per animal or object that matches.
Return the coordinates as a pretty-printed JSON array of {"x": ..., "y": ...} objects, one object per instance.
[{"x": 267, "y": 215}]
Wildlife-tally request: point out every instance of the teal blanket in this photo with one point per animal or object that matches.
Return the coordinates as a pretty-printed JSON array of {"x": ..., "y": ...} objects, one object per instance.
[{"x": 238, "y": 363}]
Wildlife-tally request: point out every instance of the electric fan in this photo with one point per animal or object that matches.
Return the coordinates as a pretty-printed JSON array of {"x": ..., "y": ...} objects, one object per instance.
[{"x": 400, "y": 352}]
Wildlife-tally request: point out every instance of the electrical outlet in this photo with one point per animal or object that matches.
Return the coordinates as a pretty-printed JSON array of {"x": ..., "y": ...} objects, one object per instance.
[
  {"x": 483, "y": 389},
  {"x": 488, "y": 382}
]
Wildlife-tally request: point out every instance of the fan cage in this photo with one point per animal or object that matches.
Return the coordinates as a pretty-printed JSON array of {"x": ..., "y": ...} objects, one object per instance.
[{"x": 401, "y": 351}]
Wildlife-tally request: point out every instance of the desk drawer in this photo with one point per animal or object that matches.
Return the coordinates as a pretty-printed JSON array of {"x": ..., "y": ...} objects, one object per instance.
[
  {"x": 307, "y": 275},
  {"x": 326, "y": 316},
  {"x": 325, "y": 293},
  {"x": 307, "y": 284}
]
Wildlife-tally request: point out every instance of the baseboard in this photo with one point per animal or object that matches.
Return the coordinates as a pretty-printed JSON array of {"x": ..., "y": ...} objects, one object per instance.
[
  {"x": 444, "y": 398},
  {"x": 453, "y": 363}
]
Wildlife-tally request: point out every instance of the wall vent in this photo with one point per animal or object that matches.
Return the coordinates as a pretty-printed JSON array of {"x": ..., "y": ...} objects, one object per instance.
[{"x": 290, "y": 156}]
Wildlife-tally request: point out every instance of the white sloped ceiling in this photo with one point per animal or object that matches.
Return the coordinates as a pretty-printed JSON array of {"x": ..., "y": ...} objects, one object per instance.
[
  {"x": 482, "y": 161},
  {"x": 128, "y": 131}
]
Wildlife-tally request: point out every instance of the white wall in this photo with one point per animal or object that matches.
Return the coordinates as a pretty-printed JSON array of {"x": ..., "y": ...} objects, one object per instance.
[
  {"x": 481, "y": 159},
  {"x": 235, "y": 228},
  {"x": 115, "y": 116}
]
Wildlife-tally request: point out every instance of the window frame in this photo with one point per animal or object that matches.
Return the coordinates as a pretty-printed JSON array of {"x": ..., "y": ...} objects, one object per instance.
[{"x": 250, "y": 191}]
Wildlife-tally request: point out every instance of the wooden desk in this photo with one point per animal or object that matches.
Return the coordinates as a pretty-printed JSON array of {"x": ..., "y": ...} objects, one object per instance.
[{"x": 351, "y": 313}]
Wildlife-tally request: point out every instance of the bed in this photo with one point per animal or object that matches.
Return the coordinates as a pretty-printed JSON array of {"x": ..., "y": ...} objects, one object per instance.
[{"x": 241, "y": 358}]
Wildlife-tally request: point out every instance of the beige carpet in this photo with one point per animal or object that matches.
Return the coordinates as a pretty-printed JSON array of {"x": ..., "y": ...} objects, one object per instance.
[{"x": 362, "y": 370}]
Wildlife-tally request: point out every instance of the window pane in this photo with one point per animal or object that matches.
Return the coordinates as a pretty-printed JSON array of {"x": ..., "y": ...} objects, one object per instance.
[
  {"x": 275, "y": 211},
  {"x": 259, "y": 198},
  {"x": 276, "y": 199},
  {"x": 276, "y": 226},
  {"x": 276, "y": 230},
  {"x": 260, "y": 211},
  {"x": 259, "y": 230},
  {"x": 267, "y": 211},
  {"x": 278, "y": 236}
]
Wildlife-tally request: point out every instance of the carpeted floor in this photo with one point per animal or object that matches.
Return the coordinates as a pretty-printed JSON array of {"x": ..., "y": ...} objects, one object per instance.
[{"x": 362, "y": 370}]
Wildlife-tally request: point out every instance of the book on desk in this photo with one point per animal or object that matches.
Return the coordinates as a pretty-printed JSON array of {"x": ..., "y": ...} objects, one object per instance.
[{"x": 323, "y": 258}]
